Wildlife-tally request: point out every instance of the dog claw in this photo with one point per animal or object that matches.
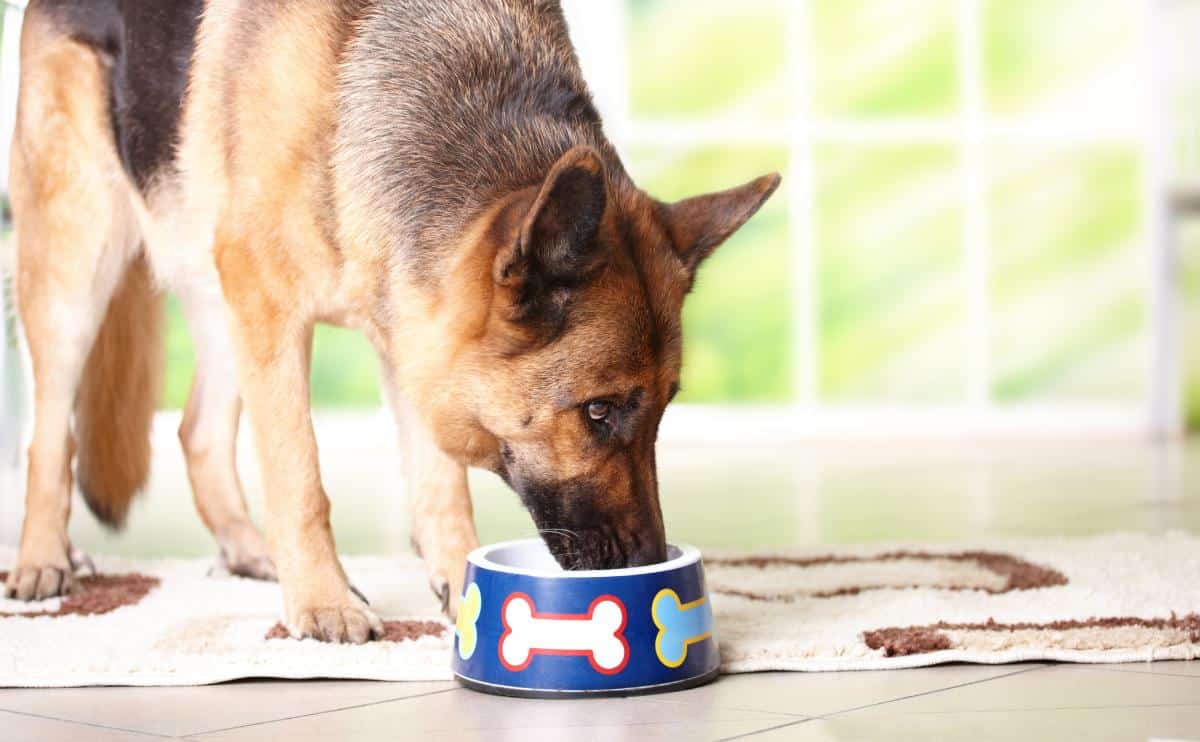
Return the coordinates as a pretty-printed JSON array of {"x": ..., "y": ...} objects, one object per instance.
[
  {"x": 81, "y": 559},
  {"x": 358, "y": 592},
  {"x": 441, "y": 590}
]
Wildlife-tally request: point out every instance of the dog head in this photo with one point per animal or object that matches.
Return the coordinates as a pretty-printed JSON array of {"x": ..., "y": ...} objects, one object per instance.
[{"x": 566, "y": 349}]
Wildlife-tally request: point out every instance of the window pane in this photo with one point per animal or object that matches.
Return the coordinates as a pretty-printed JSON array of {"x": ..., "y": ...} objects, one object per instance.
[
  {"x": 1067, "y": 277},
  {"x": 891, "y": 306},
  {"x": 1182, "y": 32},
  {"x": 181, "y": 361},
  {"x": 737, "y": 322},
  {"x": 1067, "y": 57},
  {"x": 692, "y": 58},
  {"x": 344, "y": 366},
  {"x": 345, "y": 369},
  {"x": 884, "y": 57},
  {"x": 1191, "y": 324}
]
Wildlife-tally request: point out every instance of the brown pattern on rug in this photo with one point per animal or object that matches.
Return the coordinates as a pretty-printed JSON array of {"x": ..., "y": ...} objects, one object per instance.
[
  {"x": 1016, "y": 573},
  {"x": 393, "y": 631},
  {"x": 902, "y": 641},
  {"x": 95, "y": 595}
]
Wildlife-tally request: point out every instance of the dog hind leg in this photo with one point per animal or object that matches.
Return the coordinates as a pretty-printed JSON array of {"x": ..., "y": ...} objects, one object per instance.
[
  {"x": 208, "y": 435},
  {"x": 75, "y": 244}
]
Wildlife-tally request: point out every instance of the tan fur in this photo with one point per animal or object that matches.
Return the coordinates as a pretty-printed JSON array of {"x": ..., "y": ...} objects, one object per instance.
[
  {"x": 74, "y": 242},
  {"x": 117, "y": 396},
  {"x": 279, "y": 275}
]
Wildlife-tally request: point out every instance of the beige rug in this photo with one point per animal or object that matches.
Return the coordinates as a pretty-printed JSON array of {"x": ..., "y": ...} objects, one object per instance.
[{"x": 1117, "y": 598}]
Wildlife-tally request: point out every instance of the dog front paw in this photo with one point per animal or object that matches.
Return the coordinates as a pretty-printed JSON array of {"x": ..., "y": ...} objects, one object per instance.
[
  {"x": 346, "y": 621},
  {"x": 39, "y": 581},
  {"x": 48, "y": 572},
  {"x": 445, "y": 554},
  {"x": 448, "y": 594}
]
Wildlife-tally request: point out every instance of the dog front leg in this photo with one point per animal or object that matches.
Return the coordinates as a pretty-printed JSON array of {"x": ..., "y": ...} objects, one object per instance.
[
  {"x": 439, "y": 500},
  {"x": 273, "y": 362}
]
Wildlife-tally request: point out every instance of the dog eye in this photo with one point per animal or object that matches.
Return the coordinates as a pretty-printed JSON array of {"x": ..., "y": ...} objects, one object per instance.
[{"x": 598, "y": 410}]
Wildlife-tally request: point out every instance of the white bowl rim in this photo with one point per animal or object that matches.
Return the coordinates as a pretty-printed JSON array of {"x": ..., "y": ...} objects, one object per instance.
[{"x": 687, "y": 556}]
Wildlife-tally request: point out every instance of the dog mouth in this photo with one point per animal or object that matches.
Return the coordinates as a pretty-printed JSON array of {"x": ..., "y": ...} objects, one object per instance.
[
  {"x": 581, "y": 534},
  {"x": 600, "y": 548}
]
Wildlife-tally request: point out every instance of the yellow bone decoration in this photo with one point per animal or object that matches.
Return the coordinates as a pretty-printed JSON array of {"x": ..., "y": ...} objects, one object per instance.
[{"x": 468, "y": 615}]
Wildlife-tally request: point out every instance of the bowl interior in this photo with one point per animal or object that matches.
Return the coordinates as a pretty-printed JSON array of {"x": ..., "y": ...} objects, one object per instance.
[{"x": 532, "y": 557}]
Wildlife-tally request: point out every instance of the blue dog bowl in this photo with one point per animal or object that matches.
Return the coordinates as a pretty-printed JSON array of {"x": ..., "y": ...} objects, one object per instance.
[{"x": 528, "y": 628}]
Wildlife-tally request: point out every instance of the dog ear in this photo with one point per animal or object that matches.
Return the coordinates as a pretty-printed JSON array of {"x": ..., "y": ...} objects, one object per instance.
[
  {"x": 556, "y": 246},
  {"x": 699, "y": 225}
]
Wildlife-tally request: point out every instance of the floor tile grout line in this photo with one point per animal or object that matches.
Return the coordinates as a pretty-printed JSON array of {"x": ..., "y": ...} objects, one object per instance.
[
  {"x": 856, "y": 708},
  {"x": 87, "y": 724},
  {"x": 1102, "y": 668},
  {"x": 608, "y": 724},
  {"x": 934, "y": 690},
  {"x": 326, "y": 711},
  {"x": 823, "y": 717},
  {"x": 580, "y": 726},
  {"x": 195, "y": 736},
  {"x": 1106, "y": 707},
  {"x": 764, "y": 730},
  {"x": 1161, "y": 674},
  {"x": 747, "y": 709},
  {"x": 971, "y": 711}
]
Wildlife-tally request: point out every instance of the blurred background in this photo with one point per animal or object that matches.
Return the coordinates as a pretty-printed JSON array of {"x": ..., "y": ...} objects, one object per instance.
[{"x": 972, "y": 310}]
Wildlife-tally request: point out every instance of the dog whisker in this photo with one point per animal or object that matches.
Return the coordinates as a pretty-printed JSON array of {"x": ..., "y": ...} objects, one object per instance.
[{"x": 567, "y": 533}]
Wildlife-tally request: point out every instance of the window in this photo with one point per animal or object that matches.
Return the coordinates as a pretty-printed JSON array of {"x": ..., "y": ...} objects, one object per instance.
[
  {"x": 971, "y": 230},
  {"x": 1184, "y": 153},
  {"x": 968, "y": 221}
]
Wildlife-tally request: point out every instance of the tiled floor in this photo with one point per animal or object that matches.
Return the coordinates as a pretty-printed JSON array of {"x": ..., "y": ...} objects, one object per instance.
[
  {"x": 750, "y": 496},
  {"x": 946, "y": 703}
]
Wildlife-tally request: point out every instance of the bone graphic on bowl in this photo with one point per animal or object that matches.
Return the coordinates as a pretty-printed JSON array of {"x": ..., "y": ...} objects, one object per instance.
[
  {"x": 468, "y": 617},
  {"x": 597, "y": 634},
  {"x": 679, "y": 625}
]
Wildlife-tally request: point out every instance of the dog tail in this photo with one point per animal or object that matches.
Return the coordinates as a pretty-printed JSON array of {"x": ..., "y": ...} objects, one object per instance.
[{"x": 117, "y": 397}]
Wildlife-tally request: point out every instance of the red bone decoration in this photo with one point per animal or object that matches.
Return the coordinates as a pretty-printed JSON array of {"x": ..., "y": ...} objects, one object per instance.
[{"x": 598, "y": 634}]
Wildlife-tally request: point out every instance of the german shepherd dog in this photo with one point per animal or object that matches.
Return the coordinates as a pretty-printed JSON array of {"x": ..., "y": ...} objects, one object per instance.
[{"x": 432, "y": 173}]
